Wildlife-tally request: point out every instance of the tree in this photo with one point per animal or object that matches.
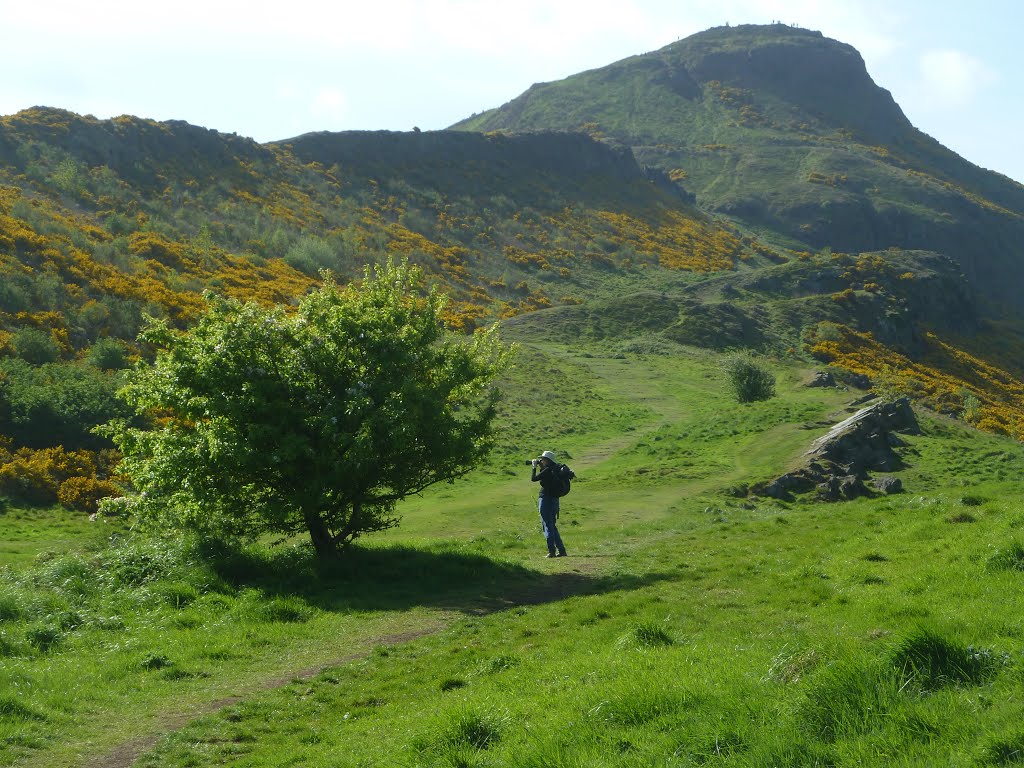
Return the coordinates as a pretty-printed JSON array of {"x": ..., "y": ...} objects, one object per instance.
[{"x": 320, "y": 420}]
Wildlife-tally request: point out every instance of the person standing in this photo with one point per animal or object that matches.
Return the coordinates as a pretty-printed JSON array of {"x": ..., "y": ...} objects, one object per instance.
[{"x": 548, "y": 503}]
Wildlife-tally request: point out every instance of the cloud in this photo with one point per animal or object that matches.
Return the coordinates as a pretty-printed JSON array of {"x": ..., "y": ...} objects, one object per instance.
[
  {"x": 328, "y": 103},
  {"x": 953, "y": 78}
]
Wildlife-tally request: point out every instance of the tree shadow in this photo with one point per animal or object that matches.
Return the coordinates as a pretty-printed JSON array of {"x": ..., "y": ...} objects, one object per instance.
[{"x": 400, "y": 577}]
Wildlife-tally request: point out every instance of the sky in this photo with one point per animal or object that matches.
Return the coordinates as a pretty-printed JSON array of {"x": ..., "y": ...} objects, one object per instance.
[{"x": 274, "y": 70}]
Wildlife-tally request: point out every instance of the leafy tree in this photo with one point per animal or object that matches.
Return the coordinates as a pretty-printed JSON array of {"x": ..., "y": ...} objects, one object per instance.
[{"x": 319, "y": 421}]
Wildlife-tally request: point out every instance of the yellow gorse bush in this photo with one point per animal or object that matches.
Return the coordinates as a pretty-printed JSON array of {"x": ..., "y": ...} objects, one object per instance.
[{"x": 939, "y": 380}]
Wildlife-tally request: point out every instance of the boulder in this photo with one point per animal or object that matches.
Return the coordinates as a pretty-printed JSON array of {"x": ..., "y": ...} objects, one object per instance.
[
  {"x": 822, "y": 379},
  {"x": 888, "y": 485},
  {"x": 839, "y": 462}
]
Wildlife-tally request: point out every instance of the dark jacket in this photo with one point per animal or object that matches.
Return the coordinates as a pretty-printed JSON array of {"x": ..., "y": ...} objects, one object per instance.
[{"x": 548, "y": 480}]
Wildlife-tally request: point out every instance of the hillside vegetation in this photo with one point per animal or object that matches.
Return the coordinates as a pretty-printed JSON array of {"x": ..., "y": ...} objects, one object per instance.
[
  {"x": 105, "y": 222},
  {"x": 634, "y": 228}
]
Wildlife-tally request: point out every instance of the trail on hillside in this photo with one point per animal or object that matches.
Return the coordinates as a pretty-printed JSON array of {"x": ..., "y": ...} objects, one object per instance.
[{"x": 558, "y": 587}]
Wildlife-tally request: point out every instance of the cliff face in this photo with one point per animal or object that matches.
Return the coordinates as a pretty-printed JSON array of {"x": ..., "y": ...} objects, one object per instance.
[{"x": 797, "y": 67}]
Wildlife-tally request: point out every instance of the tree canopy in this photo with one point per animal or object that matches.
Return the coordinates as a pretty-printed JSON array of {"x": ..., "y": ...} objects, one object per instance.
[{"x": 317, "y": 420}]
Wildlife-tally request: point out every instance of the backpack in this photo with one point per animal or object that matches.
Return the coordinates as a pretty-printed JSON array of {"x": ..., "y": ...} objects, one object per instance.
[{"x": 565, "y": 477}]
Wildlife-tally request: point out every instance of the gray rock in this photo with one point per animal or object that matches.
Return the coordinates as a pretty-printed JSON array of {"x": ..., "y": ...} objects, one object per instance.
[
  {"x": 822, "y": 379},
  {"x": 839, "y": 462},
  {"x": 888, "y": 485}
]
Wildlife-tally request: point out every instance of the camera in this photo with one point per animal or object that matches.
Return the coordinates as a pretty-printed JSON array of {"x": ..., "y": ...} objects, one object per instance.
[{"x": 531, "y": 462}]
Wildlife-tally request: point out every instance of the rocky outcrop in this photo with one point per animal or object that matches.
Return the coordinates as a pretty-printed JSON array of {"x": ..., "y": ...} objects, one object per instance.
[
  {"x": 444, "y": 154},
  {"x": 822, "y": 379},
  {"x": 839, "y": 462}
]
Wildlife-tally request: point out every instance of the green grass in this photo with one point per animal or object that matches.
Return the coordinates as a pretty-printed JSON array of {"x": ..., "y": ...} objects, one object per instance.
[
  {"x": 688, "y": 626},
  {"x": 27, "y": 532}
]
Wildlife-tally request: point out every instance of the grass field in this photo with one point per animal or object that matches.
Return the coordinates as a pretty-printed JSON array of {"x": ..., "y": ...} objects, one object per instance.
[{"x": 688, "y": 627}]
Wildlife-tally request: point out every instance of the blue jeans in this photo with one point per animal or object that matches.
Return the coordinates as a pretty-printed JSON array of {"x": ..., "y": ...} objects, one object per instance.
[{"x": 548, "y": 506}]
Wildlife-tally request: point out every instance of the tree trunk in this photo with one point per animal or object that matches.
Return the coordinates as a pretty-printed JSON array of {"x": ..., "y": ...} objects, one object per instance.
[
  {"x": 351, "y": 529},
  {"x": 321, "y": 537}
]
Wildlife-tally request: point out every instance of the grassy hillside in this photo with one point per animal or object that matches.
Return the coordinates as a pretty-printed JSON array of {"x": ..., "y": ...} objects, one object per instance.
[
  {"x": 104, "y": 222},
  {"x": 745, "y": 189},
  {"x": 784, "y": 130},
  {"x": 689, "y": 626}
]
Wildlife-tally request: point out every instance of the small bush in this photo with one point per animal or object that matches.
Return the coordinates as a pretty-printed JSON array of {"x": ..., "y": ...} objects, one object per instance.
[
  {"x": 35, "y": 346},
  {"x": 84, "y": 493},
  {"x": 108, "y": 355},
  {"x": 750, "y": 380}
]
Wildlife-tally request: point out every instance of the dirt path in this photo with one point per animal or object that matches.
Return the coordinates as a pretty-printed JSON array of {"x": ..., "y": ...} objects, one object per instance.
[{"x": 126, "y": 753}]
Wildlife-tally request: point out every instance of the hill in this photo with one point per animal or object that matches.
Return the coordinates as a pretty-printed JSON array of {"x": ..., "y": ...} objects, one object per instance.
[
  {"x": 784, "y": 130},
  {"x": 697, "y": 620},
  {"x": 708, "y": 202}
]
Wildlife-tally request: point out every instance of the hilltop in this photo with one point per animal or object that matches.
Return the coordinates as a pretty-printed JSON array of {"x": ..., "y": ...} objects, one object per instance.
[{"x": 783, "y": 130}]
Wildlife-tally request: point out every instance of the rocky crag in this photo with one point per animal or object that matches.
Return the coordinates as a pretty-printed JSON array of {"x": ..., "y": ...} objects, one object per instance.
[{"x": 840, "y": 463}]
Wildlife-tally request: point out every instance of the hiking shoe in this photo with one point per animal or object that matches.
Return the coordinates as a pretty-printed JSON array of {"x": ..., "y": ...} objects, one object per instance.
[
  {"x": 562, "y": 554},
  {"x": 550, "y": 554}
]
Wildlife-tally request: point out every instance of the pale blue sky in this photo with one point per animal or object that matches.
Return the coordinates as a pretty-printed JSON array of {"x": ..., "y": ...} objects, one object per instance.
[{"x": 273, "y": 70}]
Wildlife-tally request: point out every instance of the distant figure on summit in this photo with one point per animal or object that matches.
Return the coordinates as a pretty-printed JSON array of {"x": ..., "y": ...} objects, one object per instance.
[{"x": 554, "y": 483}]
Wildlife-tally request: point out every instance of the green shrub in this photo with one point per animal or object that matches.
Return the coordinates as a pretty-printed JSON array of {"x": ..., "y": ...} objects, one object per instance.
[
  {"x": 750, "y": 380},
  {"x": 108, "y": 355},
  {"x": 57, "y": 404},
  {"x": 35, "y": 346}
]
